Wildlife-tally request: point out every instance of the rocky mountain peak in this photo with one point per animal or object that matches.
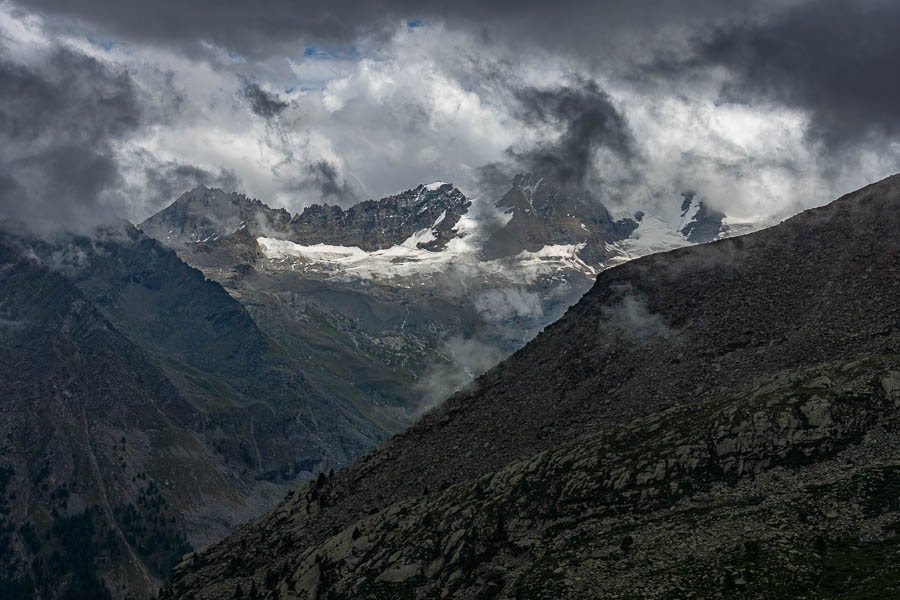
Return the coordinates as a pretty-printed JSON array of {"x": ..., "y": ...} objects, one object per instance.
[
  {"x": 429, "y": 212},
  {"x": 205, "y": 214},
  {"x": 548, "y": 213}
]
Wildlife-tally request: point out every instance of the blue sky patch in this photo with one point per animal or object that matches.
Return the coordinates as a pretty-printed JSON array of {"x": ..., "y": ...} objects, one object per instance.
[
  {"x": 313, "y": 52},
  {"x": 107, "y": 45}
]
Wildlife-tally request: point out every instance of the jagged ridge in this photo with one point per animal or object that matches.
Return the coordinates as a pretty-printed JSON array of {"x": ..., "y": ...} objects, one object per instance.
[{"x": 204, "y": 215}]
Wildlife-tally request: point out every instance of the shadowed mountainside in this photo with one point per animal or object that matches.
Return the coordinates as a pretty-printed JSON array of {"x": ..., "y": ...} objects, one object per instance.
[
  {"x": 144, "y": 411},
  {"x": 85, "y": 411}
]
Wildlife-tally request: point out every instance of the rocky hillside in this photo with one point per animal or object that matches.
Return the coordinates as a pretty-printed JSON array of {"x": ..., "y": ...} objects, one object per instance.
[
  {"x": 683, "y": 328},
  {"x": 787, "y": 487}
]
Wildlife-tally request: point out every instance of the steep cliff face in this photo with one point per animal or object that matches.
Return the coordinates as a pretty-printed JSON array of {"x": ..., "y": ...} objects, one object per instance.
[{"x": 666, "y": 330}]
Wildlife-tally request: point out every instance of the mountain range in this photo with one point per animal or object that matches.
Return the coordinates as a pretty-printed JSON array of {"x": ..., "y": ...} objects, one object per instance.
[
  {"x": 420, "y": 291},
  {"x": 167, "y": 382},
  {"x": 713, "y": 421}
]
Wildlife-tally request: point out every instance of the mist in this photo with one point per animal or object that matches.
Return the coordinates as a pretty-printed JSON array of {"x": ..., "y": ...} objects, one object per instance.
[{"x": 465, "y": 360}]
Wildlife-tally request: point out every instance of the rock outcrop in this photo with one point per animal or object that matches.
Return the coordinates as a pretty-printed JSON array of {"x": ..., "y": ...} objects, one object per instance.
[{"x": 700, "y": 223}]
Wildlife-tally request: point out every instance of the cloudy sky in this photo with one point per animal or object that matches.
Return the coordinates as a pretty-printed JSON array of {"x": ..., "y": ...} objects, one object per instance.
[{"x": 115, "y": 108}]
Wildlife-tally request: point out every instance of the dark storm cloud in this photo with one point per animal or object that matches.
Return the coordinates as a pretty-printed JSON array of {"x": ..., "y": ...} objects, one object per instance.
[
  {"x": 57, "y": 125},
  {"x": 322, "y": 178},
  {"x": 588, "y": 121},
  {"x": 832, "y": 58},
  {"x": 263, "y": 103},
  {"x": 256, "y": 29},
  {"x": 63, "y": 117},
  {"x": 835, "y": 60},
  {"x": 165, "y": 181}
]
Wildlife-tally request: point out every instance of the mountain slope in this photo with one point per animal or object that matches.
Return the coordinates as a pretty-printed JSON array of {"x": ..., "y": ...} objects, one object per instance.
[
  {"x": 204, "y": 214},
  {"x": 145, "y": 409},
  {"x": 81, "y": 405},
  {"x": 758, "y": 493},
  {"x": 210, "y": 347},
  {"x": 669, "y": 329}
]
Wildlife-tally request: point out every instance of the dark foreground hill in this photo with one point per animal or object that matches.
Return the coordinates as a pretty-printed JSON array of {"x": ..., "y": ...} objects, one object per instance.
[{"x": 768, "y": 364}]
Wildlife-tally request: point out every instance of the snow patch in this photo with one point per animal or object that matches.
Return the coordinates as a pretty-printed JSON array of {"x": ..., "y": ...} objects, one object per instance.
[
  {"x": 281, "y": 249},
  {"x": 654, "y": 234},
  {"x": 407, "y": 261},
  {"x": 423, "y": 236},
  {"x": 690, "y": 214}
]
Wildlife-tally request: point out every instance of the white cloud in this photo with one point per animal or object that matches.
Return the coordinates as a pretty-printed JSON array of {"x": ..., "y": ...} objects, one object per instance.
[
  {"x": 508, "y": 303},
  {"x": 436, "y": 104}
]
